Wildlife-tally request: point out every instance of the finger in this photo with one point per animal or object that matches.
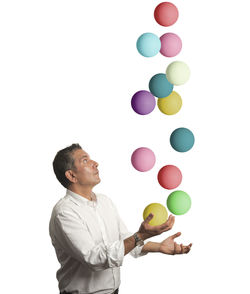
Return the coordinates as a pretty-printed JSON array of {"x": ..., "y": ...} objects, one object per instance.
[
  {"x": 171, "y": 221},
  {"x": 175, "y": 248},
  {"x": 175, "y": 235},
  {"x": 148, "y": 218},
  {"x": 163, "y": 227},
  {"x": 188, "y": 248}
]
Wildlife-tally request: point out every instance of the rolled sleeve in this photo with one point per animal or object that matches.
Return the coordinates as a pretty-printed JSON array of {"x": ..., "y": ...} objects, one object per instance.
[
  {"x": 77, "y": 242},
  {"x": 124, "y": 234},
  {"x": 115, "y": 253}
]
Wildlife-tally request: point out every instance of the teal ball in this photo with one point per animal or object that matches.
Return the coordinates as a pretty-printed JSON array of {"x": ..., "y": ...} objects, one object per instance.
[
  {"x": 182, "y": 139},
  {"x": 159, "y": 86}
]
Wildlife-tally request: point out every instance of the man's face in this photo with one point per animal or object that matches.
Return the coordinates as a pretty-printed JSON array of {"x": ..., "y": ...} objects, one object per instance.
[{"x": 85, "y": 171}]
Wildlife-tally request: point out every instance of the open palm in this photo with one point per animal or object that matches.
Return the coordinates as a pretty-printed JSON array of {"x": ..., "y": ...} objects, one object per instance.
[{"x": 169, "y": 246}]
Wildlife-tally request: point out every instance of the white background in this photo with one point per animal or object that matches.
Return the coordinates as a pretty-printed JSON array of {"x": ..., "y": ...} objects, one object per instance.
[{"x": 68, "y": 72}]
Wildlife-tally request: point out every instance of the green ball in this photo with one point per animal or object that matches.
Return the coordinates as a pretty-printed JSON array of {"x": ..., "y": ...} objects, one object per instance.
[{"x": 179, "y": 202}]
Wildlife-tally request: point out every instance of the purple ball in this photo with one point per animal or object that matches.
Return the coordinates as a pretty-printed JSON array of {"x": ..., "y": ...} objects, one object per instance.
[{"x": 143, "y": 102}]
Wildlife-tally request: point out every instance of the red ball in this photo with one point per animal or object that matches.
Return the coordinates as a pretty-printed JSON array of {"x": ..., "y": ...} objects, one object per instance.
[
  {"x": 169, "y": 177},
  {"x": 166, "y": 14}
]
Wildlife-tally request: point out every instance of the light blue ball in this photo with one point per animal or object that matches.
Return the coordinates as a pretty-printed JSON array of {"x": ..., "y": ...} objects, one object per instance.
[
  {"x": 182, "y": 139},
  {"x": 148, "y": 45},
  {"x": 159, "y": 86}
]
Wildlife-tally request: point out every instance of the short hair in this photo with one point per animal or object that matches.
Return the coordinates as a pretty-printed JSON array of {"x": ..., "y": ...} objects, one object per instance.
[{"x": 64, "y": 161}]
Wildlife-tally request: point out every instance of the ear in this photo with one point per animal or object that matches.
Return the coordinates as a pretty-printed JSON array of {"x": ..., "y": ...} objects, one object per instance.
[{"x": 70, "y": 176}]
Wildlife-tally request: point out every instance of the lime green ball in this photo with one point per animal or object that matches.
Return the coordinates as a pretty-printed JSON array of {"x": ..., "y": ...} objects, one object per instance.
[
  {"x": 159, "y": 211},
  {"x": 178, "y": 73},
  {"x": 179, "y": 202}
]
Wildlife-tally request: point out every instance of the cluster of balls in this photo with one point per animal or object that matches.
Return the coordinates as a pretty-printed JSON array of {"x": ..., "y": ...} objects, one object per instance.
[
  {"x": 169, "y": 102},
  {"x": 161, "y": 85}
]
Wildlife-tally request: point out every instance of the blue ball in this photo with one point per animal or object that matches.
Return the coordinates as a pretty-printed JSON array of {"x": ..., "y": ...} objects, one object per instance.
[
  {"x": 159, "y": 86},
  {"x": 182, "y": 139},
  {"x": 148, "y": 45}
]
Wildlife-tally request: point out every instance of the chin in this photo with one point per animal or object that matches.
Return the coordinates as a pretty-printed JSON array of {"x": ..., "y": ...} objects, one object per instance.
[{"x": 98, "y": 181}]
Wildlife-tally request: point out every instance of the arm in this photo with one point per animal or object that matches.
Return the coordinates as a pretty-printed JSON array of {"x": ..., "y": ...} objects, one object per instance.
[{"x": 147, "y": 231}]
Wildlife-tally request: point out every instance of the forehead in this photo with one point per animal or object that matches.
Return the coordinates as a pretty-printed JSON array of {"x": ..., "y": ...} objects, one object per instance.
[{"x": 79, "y": 153}]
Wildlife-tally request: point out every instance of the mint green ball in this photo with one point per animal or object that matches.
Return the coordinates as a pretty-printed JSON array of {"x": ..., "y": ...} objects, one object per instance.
[{"x": 179, "y": 202}]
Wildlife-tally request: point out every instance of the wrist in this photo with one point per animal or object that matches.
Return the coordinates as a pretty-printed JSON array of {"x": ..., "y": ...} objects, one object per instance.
[{"x": 143, "y": 236}]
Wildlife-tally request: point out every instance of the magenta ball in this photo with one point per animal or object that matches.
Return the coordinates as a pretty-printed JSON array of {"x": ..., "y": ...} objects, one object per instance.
[
  {"x": 169, "y": 177},
  {"x": 143, "y": 159},
  {"x": 143, "y": 102},
  {"x": 170, "y": 44}
]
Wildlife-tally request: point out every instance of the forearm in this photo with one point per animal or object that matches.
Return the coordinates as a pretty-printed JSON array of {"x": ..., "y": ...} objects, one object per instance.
[
  {"x": 129, "y": 243},
  {"x": 151, "y": 247}
]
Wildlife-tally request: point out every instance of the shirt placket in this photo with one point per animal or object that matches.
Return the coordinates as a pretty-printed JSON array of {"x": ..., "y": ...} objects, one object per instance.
[{"x": 104, "y": 236}]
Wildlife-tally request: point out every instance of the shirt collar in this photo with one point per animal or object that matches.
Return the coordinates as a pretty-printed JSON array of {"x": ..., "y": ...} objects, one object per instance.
[{"x": 80, "y": 200}]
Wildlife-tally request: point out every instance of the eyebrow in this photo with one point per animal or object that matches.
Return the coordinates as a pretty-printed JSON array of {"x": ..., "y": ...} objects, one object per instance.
[{"x": 83, "y": 156}]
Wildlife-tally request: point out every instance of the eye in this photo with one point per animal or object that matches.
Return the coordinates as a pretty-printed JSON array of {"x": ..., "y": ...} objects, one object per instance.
[{"x": 85, "y": 160}]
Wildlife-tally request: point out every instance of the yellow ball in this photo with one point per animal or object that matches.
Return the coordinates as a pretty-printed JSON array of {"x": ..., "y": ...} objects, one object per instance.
[
  {"x": 159, "y": 211},
  {"x": 171, "y": 104}
]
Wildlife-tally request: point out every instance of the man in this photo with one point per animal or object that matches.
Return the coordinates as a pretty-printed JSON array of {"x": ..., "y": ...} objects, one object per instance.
[{"x": 89, "y": 237}]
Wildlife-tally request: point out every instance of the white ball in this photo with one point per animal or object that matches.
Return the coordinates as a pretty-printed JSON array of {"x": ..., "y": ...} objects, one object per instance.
[{"x": 178, "y": 73}]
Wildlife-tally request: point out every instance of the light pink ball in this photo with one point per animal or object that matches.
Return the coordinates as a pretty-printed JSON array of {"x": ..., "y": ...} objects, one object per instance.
[
  {"x": 143, "y": 159},
  {"x": 170, "y": 44}
]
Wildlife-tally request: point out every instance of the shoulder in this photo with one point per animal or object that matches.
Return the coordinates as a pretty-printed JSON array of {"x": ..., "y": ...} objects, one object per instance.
[{"x": 64, "y": 206}]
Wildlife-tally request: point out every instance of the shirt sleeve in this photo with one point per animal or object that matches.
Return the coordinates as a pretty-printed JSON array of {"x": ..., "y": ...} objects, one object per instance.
[
  {"x": 124, "y": 234},
  {"x": 77, "y": 242}
]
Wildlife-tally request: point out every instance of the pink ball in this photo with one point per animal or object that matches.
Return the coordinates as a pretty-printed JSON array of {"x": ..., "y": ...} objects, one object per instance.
[
  {"x": 143, "y": 159},
  {"x": 170, "y": 44},
  {"x": 169, "y": 177}
]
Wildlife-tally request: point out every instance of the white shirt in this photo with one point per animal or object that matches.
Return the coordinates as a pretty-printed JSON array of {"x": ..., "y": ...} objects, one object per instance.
[{"x": 88, "y": 239}]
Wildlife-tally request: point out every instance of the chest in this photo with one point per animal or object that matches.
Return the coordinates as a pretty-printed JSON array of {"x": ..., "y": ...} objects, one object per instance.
[{"x": 102, "y": 223}]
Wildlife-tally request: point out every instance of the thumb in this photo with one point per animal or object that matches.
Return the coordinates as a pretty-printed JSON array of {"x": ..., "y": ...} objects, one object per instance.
[
  {"x": 175, "y": 235},
  {"x": 148, "y": 218}
]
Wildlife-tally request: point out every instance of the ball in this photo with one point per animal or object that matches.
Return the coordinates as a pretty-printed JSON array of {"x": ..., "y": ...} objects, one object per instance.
[
  {"x": 171, "y": 104},
  {"x": 143, "y": 159},
  {"x": 169, "y": 177},
  {"x": 170, "y": 45},
  {"x": 178, "y": 202},
  {"x": 148, "y": 45},
  {"x": 178, "y": 73},
  {"x": 143, "y": 102},
  {"x": 166, "y": 14},
  {"x": 159, "y": 211},
  {"x": 182, "y": 139},
  {"x": 159, "y": 86}
]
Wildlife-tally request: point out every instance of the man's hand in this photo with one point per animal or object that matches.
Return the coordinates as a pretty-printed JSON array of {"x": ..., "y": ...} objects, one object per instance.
[
  {"x": 147, "y": 231},
  {"x": 169, "y": 246}
]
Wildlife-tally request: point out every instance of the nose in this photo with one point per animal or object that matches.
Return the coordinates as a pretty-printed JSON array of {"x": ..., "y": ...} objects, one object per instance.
[{"x": 95, "y": 163}]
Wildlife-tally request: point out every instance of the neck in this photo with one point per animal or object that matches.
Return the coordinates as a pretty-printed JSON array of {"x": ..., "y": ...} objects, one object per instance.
[{"x": 85, "y": 192}]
